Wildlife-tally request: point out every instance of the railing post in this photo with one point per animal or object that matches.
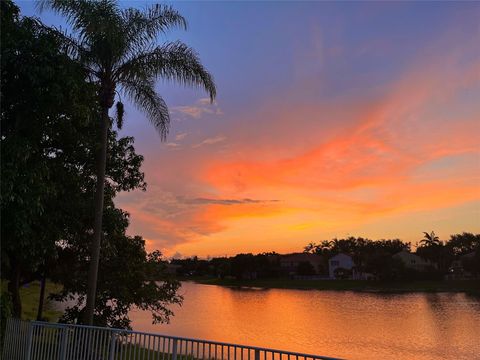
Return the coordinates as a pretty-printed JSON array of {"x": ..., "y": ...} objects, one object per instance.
[
  {"x": 63, "y": 344},
  {"x": 174, "y": 349},
  {"x": 113, "y": 347},
  {"x": 29, "y": 341},
  {"x": 257, "y": 354}
]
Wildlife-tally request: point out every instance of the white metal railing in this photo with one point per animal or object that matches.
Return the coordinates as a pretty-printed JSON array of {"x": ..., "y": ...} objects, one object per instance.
[{"x": 25, "y": 340}]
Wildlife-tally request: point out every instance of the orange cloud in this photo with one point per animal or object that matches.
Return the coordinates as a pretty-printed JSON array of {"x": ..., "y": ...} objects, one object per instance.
[{"x": 412, "y": 147}]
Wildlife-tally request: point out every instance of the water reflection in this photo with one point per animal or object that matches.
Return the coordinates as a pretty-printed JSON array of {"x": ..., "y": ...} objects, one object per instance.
[{"x": 343, "y": 324}]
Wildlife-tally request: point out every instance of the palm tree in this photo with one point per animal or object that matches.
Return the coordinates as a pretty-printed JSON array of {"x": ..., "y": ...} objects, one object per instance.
[
  {"x": 310, "y": 248},
  {"x": 118, "y": 50},
  {"x": 430, "y": 239}
]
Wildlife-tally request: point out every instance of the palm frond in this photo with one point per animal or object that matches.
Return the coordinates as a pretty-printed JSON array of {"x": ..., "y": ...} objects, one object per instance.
[
  {"x": 143, "y": 95},
  {"x": 173, "y": 61},
  {"x": 118, "y": 47},
  {"x": 143, "y": 27},
  {"x": 98, "y": 25}
]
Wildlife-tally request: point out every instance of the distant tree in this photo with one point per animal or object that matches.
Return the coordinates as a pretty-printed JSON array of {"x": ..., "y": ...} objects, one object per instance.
[
  {"x": 384, "y": 267},
  {"x": 221, "y": 267},
  {"x": 118, "y": 48},
  {"x": 305, "y": 268},
  {"x": 471, "y": 262},
  {"x": 463, "y": 243},
  {"x": 323, "y": 248},
  {"x": 369, "y": 256},
  {"x": 430, "y": 239},
  {"x": 243, "y": 266},
  {"x": 432, "y": 249}
]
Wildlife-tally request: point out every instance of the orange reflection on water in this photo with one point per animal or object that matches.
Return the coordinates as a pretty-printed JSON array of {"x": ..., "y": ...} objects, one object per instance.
[{"x": 338, "y": 324}]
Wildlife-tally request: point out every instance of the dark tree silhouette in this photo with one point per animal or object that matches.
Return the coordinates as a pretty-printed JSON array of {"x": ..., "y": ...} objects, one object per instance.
[
  {"x": 118, "y": 49},
  {"x": 430, "y": 239}
]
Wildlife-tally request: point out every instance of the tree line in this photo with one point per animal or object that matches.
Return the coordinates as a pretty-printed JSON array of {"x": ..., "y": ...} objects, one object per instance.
[
  {"x": 63, "y": 161},
  {"x": 370, "y": 256}
]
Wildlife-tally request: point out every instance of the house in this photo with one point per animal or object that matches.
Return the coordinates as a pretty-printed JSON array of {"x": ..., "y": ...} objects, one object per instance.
[
  {"x": 289, "y": 263},
  {"x": 413, "y": 261},
  {"x": 338, "y": 263}
]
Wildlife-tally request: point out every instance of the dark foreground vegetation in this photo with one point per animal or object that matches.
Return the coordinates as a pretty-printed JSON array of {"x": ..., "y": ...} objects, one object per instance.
[{"x": 63, "y": 161}]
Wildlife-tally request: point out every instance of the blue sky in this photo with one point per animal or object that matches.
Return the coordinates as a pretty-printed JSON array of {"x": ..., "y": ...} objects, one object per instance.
[{"x": 358, "y": 117}]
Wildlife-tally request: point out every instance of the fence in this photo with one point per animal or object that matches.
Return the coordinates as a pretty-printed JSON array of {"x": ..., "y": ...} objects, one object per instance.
[{"x": 49, "y": 341}]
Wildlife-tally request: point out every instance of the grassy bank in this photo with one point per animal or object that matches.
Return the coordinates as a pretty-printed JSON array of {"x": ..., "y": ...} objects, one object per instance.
[
  {"x": 30, "y": 295},
  {"x": 469, "y": 286}
]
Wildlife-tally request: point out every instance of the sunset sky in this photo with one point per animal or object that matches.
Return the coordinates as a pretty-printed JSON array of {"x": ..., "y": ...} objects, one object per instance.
[{"x": 332, "y": 119}]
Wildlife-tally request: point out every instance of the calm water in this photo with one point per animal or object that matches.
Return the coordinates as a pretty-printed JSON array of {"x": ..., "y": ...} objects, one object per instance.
[{"x": 343, "y": 324}]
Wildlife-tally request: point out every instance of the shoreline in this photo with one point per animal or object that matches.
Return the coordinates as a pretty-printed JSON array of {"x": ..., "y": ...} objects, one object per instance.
[{"x": 367, "y": 286}]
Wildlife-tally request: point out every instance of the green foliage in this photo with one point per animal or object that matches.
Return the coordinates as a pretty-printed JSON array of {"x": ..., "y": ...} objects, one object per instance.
[
  {"x": 43, "y": 91},
  {"x": 49, "y": 125},
  {"x": 128, "y": 278}
]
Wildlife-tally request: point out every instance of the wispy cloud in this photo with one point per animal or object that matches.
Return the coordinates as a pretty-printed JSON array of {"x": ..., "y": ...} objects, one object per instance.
[
  {"x": 211, "y": 141},
  {"x": 206, "y": 201},
  {"x": 173, "y": 145},
  {"x": 180, "y": 136},
  {"x": 167, "y": 219},
  {"x": 201, "y": 108}
]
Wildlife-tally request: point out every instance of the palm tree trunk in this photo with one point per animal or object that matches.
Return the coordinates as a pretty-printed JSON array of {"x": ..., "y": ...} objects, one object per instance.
[{"x": 97, "y": 229}]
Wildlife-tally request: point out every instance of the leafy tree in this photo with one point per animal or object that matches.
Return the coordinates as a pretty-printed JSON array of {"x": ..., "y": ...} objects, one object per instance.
[
  {"x": 243, "y": 266},
  {"x": 48, "y": 139},
  {"x": 384, "y": 267},
  {"x": 221, "y": 266},
  {"x": 471, "y": 262},
  {"x": 323, "y": 248},
  {"x": 117, "y": 48},
  {"x": 466, "y": 248},
  {"x": 128, "y": 277},
  {"x": 464, "y": 243},
  {"x": 42, "y": 90},
  {"x": 305, "y": 268}
]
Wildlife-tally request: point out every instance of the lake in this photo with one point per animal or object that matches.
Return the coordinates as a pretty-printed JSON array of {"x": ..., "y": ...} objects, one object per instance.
[{"x": 343, "y": 324}]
